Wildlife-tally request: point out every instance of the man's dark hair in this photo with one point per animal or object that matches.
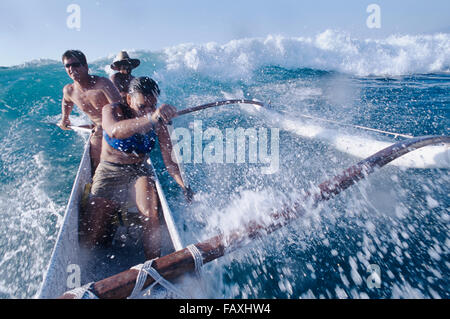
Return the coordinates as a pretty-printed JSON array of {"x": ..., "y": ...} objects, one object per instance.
[
  {"x": 144, "y": 85},
  {"x": 77, "y": 54}
]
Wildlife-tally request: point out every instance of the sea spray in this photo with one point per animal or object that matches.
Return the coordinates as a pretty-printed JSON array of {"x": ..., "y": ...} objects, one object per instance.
[{"x": 397, "y": 219}]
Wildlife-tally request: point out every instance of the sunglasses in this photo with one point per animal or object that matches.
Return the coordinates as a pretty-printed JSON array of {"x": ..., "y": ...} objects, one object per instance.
[{"x": 74, "y": 65}]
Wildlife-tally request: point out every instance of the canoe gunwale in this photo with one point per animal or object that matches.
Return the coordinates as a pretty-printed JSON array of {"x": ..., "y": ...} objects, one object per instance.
[{"x": 66, "y": 228}]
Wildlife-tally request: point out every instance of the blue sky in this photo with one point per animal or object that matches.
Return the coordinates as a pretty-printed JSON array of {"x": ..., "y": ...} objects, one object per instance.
[{"x": 31, "y": 29}]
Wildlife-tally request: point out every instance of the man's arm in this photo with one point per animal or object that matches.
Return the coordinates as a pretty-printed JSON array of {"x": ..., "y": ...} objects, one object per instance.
[
  {"x": 114, "y": 80},
  {"x": 110, "y": 90},
  {"x": 66, "y": 109}
]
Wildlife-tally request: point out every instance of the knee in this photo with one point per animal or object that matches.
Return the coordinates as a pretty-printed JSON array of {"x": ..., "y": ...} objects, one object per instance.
[
  {"x": 150, "y": 208},
  {"x": 150, "y": 215}
]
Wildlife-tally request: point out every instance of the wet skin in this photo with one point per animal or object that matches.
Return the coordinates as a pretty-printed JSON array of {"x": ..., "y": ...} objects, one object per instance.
[{"x": 90, "y": 93}]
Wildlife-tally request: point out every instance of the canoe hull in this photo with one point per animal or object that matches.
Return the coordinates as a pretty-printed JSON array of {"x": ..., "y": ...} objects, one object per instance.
[
  {"x": 71, "y": 265},
  {"x": 67, "y": 250}
]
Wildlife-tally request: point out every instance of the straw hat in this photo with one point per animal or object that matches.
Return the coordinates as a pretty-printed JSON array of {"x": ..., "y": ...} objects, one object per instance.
[{"x": 123, "y": 58}]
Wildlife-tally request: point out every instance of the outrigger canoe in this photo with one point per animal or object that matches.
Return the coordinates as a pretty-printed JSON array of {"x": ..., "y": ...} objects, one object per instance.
[
  {"x": 72, "y": 266},
  {"x": 176, "y": 261}
]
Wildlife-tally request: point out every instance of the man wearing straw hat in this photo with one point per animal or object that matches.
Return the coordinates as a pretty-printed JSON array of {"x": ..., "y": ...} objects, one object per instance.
[{"x": 124, "y": 64}]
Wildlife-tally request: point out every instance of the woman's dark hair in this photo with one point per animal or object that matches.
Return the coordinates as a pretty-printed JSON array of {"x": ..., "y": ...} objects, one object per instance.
[
  {"x": 144, "y": 85},
  {"x": 77, "y": 54}
]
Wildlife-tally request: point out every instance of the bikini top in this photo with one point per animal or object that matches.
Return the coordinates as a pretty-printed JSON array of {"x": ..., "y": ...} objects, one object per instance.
[{"x": 139, "y": 143}]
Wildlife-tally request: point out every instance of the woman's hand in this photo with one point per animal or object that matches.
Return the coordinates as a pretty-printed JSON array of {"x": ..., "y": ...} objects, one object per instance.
[
  {"x": 189, "y": 194},
  {"x": 165, "y": 112}
]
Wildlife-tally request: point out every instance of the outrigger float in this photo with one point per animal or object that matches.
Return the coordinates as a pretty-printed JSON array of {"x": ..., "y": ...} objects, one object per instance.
[{"x": 119, "y": 272}]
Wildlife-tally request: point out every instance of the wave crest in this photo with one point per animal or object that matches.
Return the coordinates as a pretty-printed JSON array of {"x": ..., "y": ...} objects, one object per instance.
[{"x": 330, "y": 50}]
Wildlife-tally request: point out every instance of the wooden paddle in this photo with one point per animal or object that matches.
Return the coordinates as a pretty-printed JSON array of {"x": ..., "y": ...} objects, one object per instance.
[{"x": 180, "y": 262}]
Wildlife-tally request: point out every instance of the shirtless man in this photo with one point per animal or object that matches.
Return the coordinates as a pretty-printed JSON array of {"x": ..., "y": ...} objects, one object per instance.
[
  {"x": 130, "y": 133},
  {"x": 90, "y": 93},
  {"x": 122, "y": 79}
]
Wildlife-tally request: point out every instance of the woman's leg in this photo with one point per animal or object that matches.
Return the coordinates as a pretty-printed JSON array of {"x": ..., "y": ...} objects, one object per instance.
[
  {"x": 96, "y": 222},
  {"x": 147, "y": 202}
]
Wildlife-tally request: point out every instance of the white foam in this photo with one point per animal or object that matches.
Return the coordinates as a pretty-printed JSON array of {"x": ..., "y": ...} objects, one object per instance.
[
  {"x": 28, "y": 211},
  {"x": 360, "y": 146},
  {"x": 36, "y": 63},
  {"x": 405, "y": 290},
  {"x": 329, "y": 50}
]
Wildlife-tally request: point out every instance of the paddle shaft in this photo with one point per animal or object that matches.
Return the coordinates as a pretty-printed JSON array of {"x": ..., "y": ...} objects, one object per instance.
[
  {"x": 219, "y": 103},
  {"x": 180, "y": 262},
  {"x": 82, "y": 128}
]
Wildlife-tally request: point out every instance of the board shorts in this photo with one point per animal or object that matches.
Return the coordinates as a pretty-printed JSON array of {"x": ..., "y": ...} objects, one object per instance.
[{"x": 116, "y": 182}]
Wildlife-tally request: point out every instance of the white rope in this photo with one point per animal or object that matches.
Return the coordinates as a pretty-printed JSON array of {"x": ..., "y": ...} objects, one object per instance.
[
  {"x": 346, "y": 124},
  {"x": 198, "y": 262},
  {"x": 198, "y": 259},
  {"x": 145, "y": 270},
  {"x": 83, "y": 292},
  {"x": 357, "y": 126}
]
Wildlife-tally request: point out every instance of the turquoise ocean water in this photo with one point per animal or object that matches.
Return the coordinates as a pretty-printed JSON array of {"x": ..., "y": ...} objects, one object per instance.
[{"x": 397, "y": 219}]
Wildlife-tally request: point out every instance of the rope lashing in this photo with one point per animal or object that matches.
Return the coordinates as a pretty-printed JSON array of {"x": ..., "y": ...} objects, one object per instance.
[
  {"x": 198, "y": 259},
  {"x": 84, "y": 292},
  {"x": 145, "y": 270}
]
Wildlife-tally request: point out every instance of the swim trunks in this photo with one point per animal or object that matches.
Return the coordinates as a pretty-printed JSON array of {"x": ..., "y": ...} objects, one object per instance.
[{"x": 116, "y": 182}]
